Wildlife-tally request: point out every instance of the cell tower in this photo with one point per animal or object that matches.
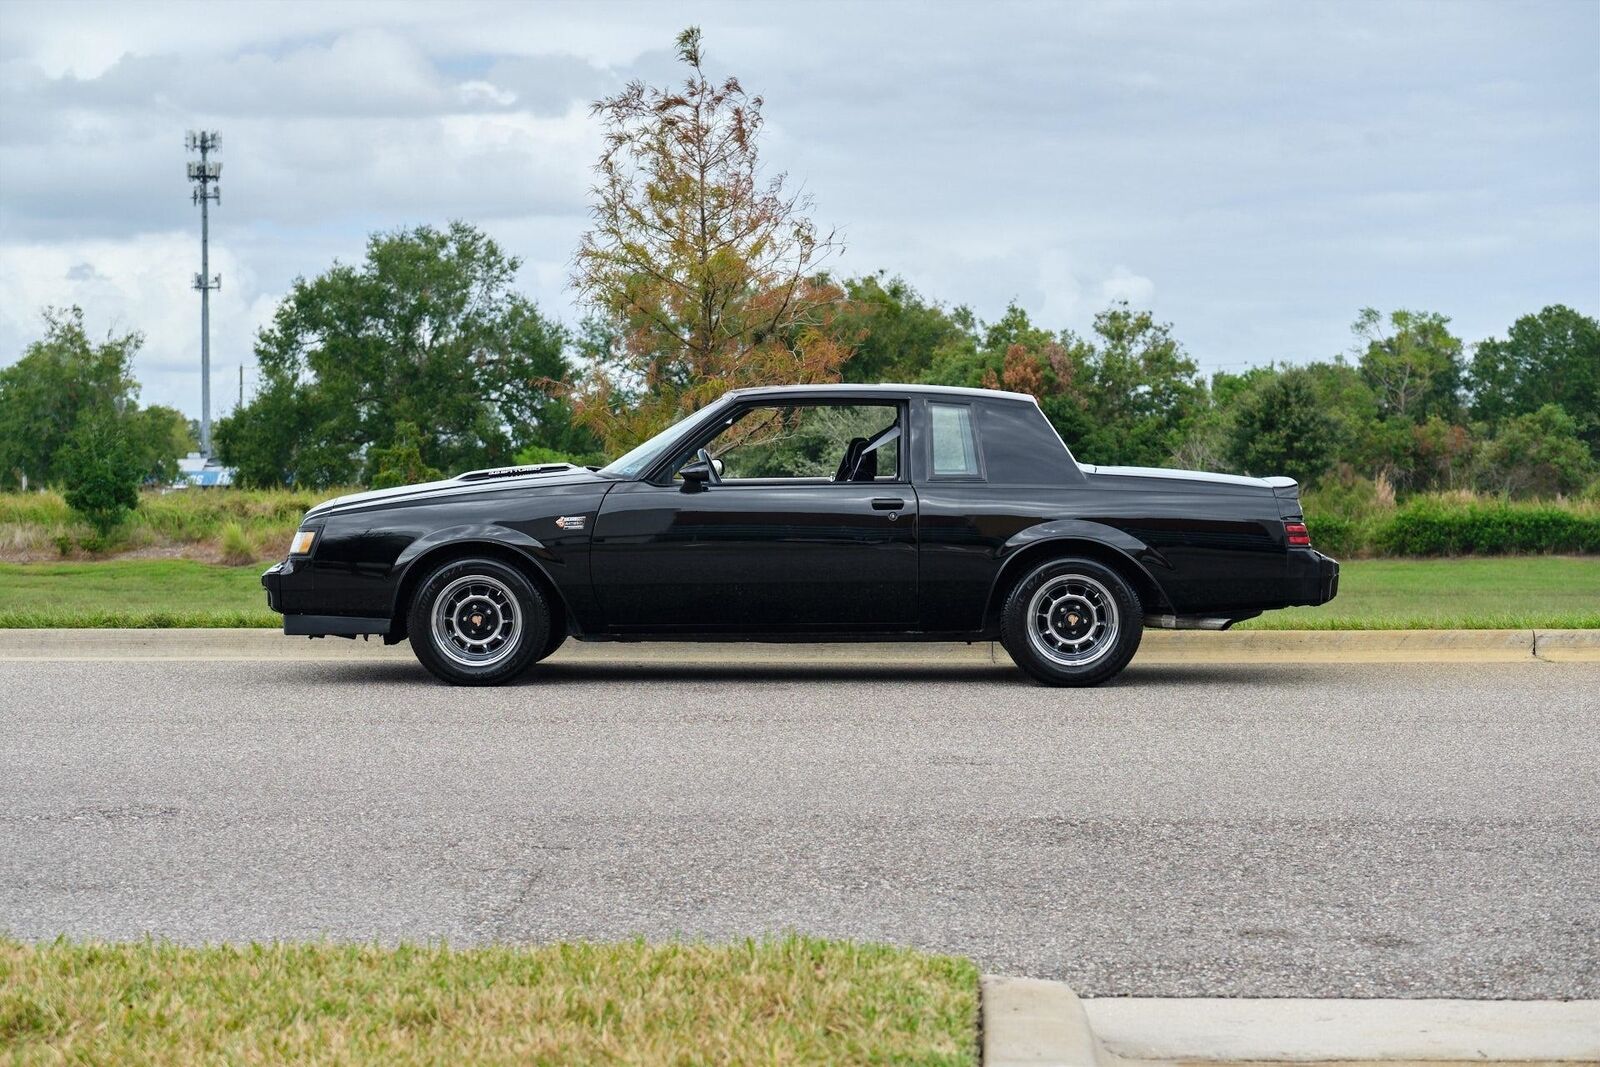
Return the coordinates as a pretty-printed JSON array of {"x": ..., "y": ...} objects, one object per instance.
[{"x": 207, "y": 176}]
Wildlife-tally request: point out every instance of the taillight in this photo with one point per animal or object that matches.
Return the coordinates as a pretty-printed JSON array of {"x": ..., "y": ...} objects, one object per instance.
[{"x": 1297, "y": 534}]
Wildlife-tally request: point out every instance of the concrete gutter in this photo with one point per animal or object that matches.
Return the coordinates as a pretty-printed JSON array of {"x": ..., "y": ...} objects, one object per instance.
[
  {"x": 1158, "y": 647},
  {"x": 1035, "y": 1023}
]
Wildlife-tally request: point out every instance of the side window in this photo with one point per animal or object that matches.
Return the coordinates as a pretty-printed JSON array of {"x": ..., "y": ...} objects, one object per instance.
[
  {"x": 955, "y": 449},
  {"x": 810, "y": 442}
]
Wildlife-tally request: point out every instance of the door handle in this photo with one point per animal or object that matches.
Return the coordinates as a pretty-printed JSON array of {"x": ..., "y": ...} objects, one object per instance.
[{"x": 888, "y": 504}]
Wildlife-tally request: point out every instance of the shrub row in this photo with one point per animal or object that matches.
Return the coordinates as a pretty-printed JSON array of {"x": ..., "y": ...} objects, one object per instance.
[
  {"x": 239, "y": 521},
  {"x": 1441, "y": 527}
]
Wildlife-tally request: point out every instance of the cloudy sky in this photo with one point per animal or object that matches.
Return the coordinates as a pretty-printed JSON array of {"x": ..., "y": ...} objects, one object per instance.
[{"x": 1255, "y": 173}]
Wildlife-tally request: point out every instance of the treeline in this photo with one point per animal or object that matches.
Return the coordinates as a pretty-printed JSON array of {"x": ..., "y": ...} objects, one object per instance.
[
  {"x": 1410, "y": 404},
  {"x": 424, "y": 359}
]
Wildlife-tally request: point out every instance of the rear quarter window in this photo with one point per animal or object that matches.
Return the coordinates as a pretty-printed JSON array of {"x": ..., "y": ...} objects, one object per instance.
[{"x": 955, "y": 445}]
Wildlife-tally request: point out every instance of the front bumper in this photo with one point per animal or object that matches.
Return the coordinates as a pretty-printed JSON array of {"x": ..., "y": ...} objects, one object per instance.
[
  {"x": 300, "y": 625},
  {"x": 1313, "y": 577},
  {"x": 272, "y": 582}
]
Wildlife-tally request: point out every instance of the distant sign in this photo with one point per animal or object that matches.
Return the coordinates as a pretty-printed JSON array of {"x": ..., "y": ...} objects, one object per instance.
[{"x": 196, "y": 471}]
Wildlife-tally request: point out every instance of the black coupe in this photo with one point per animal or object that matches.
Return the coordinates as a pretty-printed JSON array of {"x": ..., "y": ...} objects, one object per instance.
[{"x": 807, "y": 513}]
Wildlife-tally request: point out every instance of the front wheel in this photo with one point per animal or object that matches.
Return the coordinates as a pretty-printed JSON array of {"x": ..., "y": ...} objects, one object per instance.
[
  {"x": 1072, "y": 622},
  {"x": 477, "y": 622},
  {"x": 557, "y": 638}
]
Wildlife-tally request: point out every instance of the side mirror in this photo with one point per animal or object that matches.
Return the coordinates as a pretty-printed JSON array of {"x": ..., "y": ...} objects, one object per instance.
[{"x": 703, "y": 471}]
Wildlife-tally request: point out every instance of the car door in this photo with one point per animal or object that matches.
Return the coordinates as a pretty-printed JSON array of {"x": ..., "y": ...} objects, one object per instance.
[{"x": 777, "y": 545}]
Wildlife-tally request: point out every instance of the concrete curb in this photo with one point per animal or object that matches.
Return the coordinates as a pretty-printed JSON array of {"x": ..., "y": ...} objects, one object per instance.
[
  {"x": 1569, "y": 645},
  {"x": 1034, "y": 1022},
  {"x": 1343, "y": 646},
  {"x": 1029, "y": 1022},
  {"x": 1159, "y": 647}
]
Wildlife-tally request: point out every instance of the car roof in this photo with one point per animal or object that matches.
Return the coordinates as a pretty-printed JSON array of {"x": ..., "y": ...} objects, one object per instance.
[{"x": 891, "y": 389}]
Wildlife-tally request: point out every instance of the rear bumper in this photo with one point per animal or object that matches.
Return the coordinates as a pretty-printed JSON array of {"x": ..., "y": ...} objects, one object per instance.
[
  {"x": 1313, "y": 577},
  {"x": 299, "y": 625}
]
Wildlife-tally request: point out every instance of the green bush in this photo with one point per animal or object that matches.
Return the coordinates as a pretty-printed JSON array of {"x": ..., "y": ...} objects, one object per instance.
[
  {"x": 1438, "y": 527},
  {"x": 102, "y": 470},
  {"x": 1339, "y": 535}
]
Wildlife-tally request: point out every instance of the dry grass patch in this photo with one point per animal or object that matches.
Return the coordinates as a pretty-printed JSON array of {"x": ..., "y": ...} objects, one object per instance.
[
  {"x": 204, "y": 524},
  {"x": 795, "y": 1000}
]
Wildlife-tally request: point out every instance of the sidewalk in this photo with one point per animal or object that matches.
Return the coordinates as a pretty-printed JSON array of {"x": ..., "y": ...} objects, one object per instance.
[
  {"x": 1158, "y": 647},
  {"x": 1033, "y": 1022}
]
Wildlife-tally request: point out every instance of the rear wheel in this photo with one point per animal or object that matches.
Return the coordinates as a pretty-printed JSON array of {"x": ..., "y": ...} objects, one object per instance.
[
  {"x": 478, "y": 622},
  {"x": 1072, "y": 622}
]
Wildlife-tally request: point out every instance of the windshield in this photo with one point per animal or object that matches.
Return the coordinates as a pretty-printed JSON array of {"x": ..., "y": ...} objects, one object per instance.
[{"x": 640, "y": 458}]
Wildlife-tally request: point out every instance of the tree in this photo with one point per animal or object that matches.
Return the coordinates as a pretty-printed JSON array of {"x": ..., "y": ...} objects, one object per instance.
[
  {"x": 401, "y": 463},
  {"x": 1280, "y": 427},
  {"x": 427, "y": 330},
  {"x": 706, "y": 277},
  {"x": 1352, "y": 409},
  {"x": 1413, "y": 364},
  {"x": 58, "y": 379},
  {"x": 895, "y": 334},
  {"x": 102, "y": 467},
  {"x": 1538, "y": 454},
  {"x": 1549, "y": 358},
  {"x": 1208, "y": 434},
  {"x": 1124, "y": 394},
  {"x": 1139, "y": 390},
  {"x": 161, "y": 434}
]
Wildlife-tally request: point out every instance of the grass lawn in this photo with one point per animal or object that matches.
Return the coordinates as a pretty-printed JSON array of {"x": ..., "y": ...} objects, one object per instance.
[
  {"x": 796, "y": 1000},
  {"x": 145, "y": 592},
  {"x": 1473, "y": 593}
]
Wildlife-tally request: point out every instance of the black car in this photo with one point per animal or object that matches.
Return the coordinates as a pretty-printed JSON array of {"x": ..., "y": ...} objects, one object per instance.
[{"x": 807, "y": 513}]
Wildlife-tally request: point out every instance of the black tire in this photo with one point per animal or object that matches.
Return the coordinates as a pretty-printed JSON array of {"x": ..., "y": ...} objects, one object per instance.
[
  {"x": 485, "y": 599},
  {"x": 557, "y": 638},
  {"x": 1084, "y": 612}
]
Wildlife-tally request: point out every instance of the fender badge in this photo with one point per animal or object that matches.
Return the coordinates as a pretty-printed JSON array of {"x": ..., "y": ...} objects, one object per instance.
[{"x": 570, "y": 522}]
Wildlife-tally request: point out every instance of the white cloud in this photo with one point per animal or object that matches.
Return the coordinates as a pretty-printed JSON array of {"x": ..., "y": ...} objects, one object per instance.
[
  {"x": 473, "y": 93},
  {"x": 1123, "y": 284},
  {"x": 140, "y": 283}
]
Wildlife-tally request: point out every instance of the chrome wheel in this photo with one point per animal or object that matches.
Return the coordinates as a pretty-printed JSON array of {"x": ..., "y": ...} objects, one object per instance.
[
  {"x": 475, "y": 621},
  {"x": 1072, "y": 620}
]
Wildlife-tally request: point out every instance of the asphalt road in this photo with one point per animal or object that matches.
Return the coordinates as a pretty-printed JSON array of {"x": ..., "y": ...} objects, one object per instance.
[{"x": 1272, "y": 830}]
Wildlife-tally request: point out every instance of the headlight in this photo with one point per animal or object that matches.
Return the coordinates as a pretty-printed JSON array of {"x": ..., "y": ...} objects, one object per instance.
[{"x": 303, "y": 540}]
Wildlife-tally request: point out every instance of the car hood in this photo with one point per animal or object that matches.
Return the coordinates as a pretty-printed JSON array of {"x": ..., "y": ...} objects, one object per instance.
[
  {"x": 1146, "y": 475},
  {"x": 490, "y": 480}
]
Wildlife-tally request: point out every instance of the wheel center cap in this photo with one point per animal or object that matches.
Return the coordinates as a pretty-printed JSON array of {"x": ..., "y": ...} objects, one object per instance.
[
  {"x": 478, "y": 620},
  {"x": 1072, "y": 621}
]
